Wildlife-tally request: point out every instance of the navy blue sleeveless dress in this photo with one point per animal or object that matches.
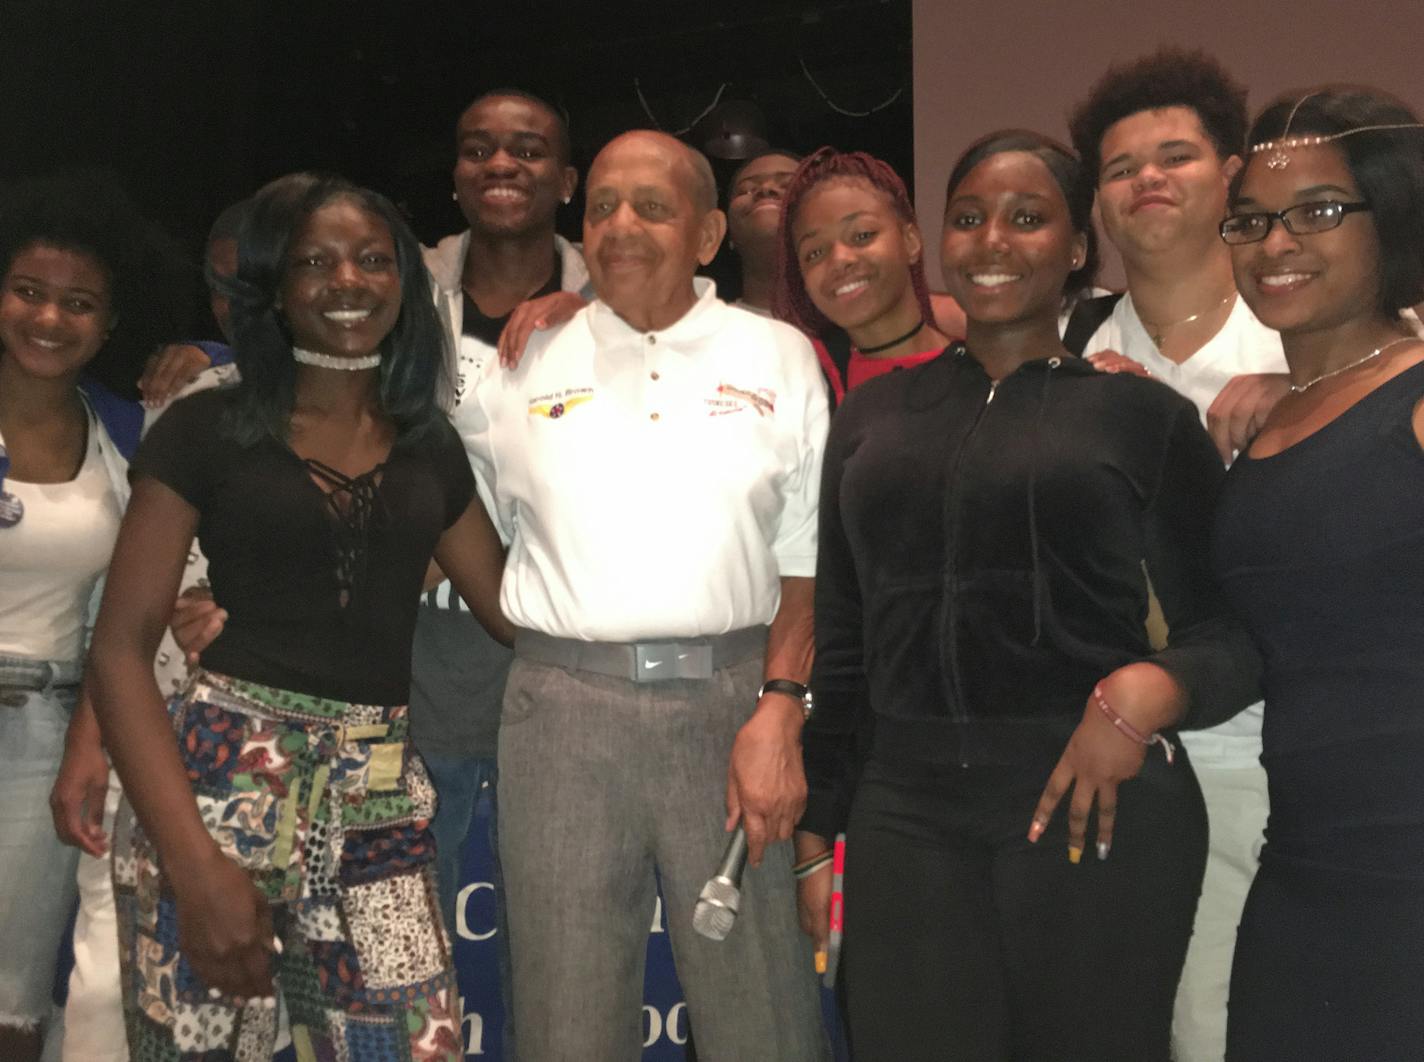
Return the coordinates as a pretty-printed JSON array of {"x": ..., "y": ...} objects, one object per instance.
[{"x": 1321, "y": 550}]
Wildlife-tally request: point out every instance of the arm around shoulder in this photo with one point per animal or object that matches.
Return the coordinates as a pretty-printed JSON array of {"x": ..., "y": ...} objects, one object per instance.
[{"x": 1209, "y": 654}]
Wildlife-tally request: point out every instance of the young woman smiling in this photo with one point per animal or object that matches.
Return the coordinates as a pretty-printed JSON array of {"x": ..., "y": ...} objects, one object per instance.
[
  {"x": 282, "y": 844},
  {"x": 990, "y": 521},
  {"x": 1318, "y": 543},
  {"x": 79, "y": 296},
  {"x": 851, "y": 256}
]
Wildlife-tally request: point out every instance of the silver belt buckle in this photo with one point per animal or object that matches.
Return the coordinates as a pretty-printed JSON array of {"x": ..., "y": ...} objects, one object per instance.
[{"x": 662, "y": 661}]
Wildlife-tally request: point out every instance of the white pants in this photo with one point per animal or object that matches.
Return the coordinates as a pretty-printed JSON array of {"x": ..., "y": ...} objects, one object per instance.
[
  {"x": 1236, "y": 805},
  {"x": 94, "y": 1015}
]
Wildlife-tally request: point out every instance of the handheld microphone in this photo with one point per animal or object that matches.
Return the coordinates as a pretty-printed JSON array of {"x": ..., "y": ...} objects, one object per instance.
[{"x": 717, "y": 905}]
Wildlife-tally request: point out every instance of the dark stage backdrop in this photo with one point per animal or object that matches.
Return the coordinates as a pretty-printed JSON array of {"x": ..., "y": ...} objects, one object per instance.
[{"x": 196, "y": 105}]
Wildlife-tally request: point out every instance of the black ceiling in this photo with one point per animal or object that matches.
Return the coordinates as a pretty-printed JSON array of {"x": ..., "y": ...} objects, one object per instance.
[{"x": 194, "y": 104}]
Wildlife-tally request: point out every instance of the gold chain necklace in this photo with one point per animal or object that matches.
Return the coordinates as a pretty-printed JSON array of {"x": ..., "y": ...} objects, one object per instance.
[{"x": 1160, "y": 331}]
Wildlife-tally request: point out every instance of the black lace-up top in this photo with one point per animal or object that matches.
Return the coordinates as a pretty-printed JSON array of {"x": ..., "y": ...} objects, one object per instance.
[{"x": 320, "y": 572}]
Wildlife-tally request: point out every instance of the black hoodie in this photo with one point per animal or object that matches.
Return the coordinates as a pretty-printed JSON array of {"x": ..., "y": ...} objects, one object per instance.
[{"x": 985, "y": 551}]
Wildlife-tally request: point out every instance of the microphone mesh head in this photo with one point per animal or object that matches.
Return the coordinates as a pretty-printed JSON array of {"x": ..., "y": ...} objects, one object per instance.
[{"x": 716, "y": 909}]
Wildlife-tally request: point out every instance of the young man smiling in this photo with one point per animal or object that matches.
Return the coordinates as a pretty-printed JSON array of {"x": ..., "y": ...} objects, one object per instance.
[
  {"x": 511, "y": 172},
  {"x": 1163, "y": 135}
]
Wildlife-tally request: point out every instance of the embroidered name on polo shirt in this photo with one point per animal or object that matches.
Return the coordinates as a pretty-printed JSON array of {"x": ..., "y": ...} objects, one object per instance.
[
  {"x": 735, "y": 399},
  {"x": 559, "y": 403}
]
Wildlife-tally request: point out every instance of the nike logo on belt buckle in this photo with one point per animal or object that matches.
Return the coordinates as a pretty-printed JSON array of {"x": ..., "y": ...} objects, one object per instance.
[{"x": 663, "y": 661}]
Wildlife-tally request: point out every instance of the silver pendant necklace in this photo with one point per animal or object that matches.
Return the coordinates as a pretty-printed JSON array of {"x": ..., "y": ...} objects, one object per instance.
[{"x": 1297, "y": 389}]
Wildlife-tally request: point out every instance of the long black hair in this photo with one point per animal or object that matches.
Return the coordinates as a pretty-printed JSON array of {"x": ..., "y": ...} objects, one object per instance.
[
  {"x": 87, "y": 211},
  {"x": 415, "y": 385}
]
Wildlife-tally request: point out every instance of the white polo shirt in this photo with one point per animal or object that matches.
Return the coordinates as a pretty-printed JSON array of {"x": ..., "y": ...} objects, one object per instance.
[{"x": 652, "y": 484}]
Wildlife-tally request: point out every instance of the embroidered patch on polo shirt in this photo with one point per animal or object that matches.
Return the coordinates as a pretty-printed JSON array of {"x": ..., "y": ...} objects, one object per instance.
[
  {"x": 731, "y": 399},
  {"x": 559, "y": 403}
]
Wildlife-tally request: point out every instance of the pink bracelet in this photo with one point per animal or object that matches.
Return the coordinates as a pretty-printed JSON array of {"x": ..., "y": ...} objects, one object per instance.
[{"x": 1127, "y": 728}]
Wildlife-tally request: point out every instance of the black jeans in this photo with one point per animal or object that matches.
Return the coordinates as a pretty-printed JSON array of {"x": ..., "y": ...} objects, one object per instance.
[{"x": 965, "y": 942}]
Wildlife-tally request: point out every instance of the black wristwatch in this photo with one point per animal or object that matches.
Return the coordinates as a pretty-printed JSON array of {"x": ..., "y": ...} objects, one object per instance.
[{"x": 792, "y": 689}]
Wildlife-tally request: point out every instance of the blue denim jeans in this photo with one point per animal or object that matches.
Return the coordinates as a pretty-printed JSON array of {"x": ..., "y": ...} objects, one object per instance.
[
  {"x": 459, "y": 781},
  {"x": 37, "y": 883}
]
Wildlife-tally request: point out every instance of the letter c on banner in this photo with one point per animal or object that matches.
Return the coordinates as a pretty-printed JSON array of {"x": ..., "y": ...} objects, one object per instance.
[
  {"x": 462, "y": 927},
  {"x": 673, "y": 1024}
]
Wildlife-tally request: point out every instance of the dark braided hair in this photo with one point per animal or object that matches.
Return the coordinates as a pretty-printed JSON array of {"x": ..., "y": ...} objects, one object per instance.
[{"x": 790, "y": 301}]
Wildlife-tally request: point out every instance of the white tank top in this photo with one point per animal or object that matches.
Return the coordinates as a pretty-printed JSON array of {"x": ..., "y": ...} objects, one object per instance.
[{"x": 51, "y": 560}]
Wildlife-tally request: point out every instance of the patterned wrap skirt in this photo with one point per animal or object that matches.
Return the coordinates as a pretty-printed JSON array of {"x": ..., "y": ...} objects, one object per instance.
[{"x": 324, "y": 804}]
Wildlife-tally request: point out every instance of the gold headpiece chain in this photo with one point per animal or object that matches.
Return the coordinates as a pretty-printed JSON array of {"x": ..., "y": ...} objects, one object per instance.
[{"x": 1279, "y": 159}]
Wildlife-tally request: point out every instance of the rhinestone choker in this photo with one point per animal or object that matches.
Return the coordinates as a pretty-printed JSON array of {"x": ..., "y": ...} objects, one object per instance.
[{"x": 328, "y": 361}]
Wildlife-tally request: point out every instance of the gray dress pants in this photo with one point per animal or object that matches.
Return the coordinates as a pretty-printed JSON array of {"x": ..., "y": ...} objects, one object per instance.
[{"x": 601, "y": 781}]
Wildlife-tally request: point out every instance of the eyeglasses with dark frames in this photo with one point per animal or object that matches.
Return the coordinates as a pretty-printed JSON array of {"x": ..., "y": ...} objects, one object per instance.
[{"x": 1303, "y": 219}]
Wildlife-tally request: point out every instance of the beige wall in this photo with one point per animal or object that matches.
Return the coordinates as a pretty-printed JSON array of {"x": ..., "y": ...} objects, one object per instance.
[{"x": 983, "y": 66}]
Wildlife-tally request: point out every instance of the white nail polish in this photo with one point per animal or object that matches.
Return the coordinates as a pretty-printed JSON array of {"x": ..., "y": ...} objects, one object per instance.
[
  {"x": 1102, "y": 851},
  {"x": 277, "y": 945},
  {"x": 213, "y": 993}
]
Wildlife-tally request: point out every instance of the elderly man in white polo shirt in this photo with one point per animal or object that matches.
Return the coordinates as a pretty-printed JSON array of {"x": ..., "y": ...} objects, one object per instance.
[{"x": 654, "y": 466}]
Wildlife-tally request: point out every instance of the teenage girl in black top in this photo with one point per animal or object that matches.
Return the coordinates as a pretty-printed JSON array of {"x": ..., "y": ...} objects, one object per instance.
[
  {"x": 281, "y": 844},
  {"x": 1320, "y": 545},
  {"x": 990, "y": 521}
]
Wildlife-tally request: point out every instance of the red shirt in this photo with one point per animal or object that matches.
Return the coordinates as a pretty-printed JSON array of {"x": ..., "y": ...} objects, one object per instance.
[{"x": 862, "y": 368}]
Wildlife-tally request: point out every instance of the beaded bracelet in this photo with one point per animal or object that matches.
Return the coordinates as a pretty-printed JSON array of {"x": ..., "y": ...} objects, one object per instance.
[
  {"x": 1127, "y": 728},
  {"x": 808, "y": 867}
]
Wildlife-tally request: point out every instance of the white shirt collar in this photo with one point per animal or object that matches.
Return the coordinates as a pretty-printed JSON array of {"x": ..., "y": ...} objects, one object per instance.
[{"x": 702, "y": 318}]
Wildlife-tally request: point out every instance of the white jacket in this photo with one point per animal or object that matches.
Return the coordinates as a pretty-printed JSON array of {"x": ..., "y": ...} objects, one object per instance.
[{"x": 446, "y": 264}]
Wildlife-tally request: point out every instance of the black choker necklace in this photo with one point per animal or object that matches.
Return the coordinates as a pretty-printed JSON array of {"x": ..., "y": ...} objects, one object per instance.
[{"x": 894, "y": 342}]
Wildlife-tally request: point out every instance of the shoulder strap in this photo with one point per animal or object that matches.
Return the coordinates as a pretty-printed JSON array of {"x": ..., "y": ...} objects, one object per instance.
[{"x": 1087, "y": 317}]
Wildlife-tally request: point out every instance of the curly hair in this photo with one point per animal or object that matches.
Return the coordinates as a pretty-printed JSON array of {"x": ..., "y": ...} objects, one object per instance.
[
  {"x": 1387, "y": 165},
  {"x": 415, "y": 380},
  {"x": 1169, "y": 77},
  {"x": 86, "y": 211},
  {"x": 790, "y": 301},
  {"x": 1071, "y": 176}
]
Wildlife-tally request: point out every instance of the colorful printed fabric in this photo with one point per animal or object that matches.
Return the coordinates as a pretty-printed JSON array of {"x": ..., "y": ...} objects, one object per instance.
[{"x": 324, "y": 807}]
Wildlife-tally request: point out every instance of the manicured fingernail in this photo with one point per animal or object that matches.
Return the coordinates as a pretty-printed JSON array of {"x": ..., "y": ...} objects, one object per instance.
[
  {"x": 1075, "y": 854},
  {"x": 1102, "y": 851},
  {"x": 213, "y": 993},
  {"x": 277, "y": 941},
  {"x": 1035, "y": 830},
  {"x": 821, "y": 960}
]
